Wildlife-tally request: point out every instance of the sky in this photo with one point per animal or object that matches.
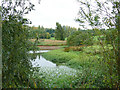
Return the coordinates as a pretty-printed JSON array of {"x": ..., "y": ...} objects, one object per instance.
[{"x": 48, "y": 12}]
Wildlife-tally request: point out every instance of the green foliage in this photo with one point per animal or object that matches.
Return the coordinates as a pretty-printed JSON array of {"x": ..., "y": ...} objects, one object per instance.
[
  {"x": 79, "y": 38},
  {"x": 50, "y": 31},
  {"x": 111, "y": 19},
  {"x": 111, "y": 35},
  {"x": 67, "y": 49},
  {"x": 59, "y": 32},
  {"x": 39, "y": 33},
  {"x": 63, "y": 32},
  {"x": 69, "y": 30},
  {"x": 73, "y": 48},
  {"x": 17, "y": 66},
  {"x": 52, "y": 38}
]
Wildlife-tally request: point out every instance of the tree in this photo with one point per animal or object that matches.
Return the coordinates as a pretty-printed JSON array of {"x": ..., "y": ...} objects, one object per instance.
[
  {"x": 102, "y": 14},
  {"x": 59, "y": 32},
  {"x": 69, "y": 30},
  {"x": 39, "y": 27},
  {"x": 78, "y": 38},
  {"x": 50, "y": 31},
  {"x": 16, "y": 62}
]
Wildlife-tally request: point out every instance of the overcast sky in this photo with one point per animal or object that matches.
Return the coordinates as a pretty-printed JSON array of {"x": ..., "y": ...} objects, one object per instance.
[{"x": 48, "y": 12}]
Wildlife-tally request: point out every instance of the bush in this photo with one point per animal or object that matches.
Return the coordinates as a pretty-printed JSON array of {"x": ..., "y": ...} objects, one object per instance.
[
  {"x": 17, "y": 67},
  {"x": 79, "y": 38},
  {"x": 67, "y": 49}
]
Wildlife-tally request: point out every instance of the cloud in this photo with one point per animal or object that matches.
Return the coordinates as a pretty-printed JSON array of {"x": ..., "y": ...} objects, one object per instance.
[{"x": 48, "y": 12}]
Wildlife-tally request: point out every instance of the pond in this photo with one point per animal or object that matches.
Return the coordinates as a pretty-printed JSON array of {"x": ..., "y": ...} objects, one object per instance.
[
  {"x": 53, "y": 75},
  {"x": 47, "y": 65}
]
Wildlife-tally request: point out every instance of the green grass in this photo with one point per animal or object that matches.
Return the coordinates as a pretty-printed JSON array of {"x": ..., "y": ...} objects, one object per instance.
[
  {"x": 59, "y": 56},
  {"x": 89, "y": 56},
  {"x": 74, "y": 59},
  {"x": 52, "y": 38}
]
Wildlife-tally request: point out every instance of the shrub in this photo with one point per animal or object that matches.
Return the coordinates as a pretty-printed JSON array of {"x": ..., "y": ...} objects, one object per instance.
[
  {"x": 79, "y": 38},
  {"x": 66, "y": 49}
]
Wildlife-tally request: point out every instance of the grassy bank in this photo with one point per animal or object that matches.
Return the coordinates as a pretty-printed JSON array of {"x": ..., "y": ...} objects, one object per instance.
[{"x": 74, "y": 59}]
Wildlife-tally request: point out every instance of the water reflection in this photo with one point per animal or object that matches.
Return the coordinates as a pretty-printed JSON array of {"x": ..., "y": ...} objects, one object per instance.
[
  {"x": 48, "y": 67},
  {"x": 42, "y": 62},
  {"x": 40, "y": 51}
]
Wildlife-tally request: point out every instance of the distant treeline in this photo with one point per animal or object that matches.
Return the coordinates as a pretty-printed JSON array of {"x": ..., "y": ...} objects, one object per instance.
[
  {"x": 60, "y": 33},
  {"x": 41, "y": 33}
]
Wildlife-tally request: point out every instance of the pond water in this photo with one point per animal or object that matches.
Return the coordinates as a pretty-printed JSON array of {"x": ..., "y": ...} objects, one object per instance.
[
  {"x": 42, "y": 62},
  {"x": 48, "y": 66},
  {"x": 41, "y": 51}
]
